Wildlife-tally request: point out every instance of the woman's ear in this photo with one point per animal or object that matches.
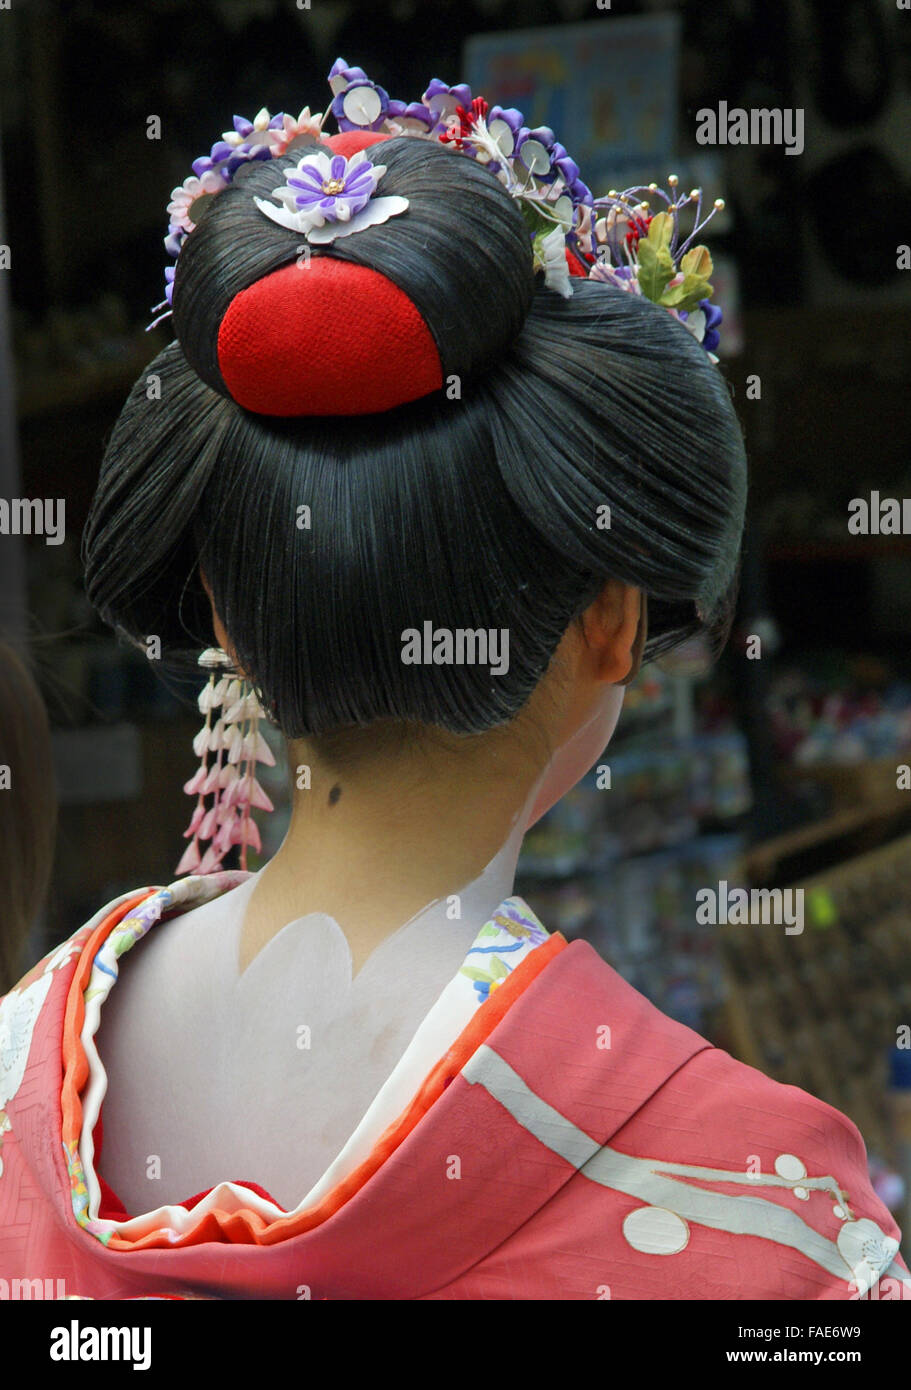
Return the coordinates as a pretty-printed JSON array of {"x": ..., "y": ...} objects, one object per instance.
[
  {"x": 614, "y": 625},
  {"x": 218, "y": 626},
  {"x": 639, "y": 643}
]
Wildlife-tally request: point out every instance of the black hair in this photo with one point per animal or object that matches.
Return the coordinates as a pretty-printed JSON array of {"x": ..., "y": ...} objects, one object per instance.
[{"x": 480, "y": 508}]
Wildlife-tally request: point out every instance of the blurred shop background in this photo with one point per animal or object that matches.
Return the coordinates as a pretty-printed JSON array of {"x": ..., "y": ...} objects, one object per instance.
[{"x": 782, "y": 766}]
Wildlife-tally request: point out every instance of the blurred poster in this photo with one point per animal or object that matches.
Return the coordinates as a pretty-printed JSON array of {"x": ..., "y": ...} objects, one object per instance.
[{"x": 608, "y": 88}]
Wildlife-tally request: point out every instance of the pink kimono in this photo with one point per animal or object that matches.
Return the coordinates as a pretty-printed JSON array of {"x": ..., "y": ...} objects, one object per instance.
[{"x": 571, "y": 1143}]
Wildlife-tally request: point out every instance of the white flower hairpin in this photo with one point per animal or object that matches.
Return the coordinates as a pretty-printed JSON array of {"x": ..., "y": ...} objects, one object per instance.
[{"x": 328, "y": 196}]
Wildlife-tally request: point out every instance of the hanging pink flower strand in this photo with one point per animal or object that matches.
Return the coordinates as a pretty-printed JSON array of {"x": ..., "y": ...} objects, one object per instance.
[{"x": 228, "y": 776}]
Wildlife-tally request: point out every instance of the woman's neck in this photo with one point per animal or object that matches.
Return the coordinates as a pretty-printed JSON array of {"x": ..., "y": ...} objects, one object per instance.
[{"x": 374, "y": 843}]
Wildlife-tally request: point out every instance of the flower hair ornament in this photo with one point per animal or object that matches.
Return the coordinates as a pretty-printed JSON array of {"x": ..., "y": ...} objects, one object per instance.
[
  {"x": 328, "y": 196},
  {"x": 229, "y": 746},
  {"x": 616, "y": 238},
  {"x": 647, "y": 254}
]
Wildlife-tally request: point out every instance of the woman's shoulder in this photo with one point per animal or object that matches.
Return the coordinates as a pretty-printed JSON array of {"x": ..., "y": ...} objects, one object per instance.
[
  {"x": 686, "y": 1149},
  {"x": 777, "y": 1160},
  {"x": 719, "y": 1092},
  {"x": 632, "y": 1026}
]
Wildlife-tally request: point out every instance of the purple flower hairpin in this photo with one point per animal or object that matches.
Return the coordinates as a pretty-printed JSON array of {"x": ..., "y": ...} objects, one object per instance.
[{"x": 328, "y": 196}]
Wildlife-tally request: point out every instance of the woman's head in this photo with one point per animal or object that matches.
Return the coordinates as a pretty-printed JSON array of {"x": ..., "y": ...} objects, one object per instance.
[{"x": 573, "y": 441}]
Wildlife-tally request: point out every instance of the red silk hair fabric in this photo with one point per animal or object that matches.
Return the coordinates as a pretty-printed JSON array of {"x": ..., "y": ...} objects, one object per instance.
[{"x": 330, "y": 338}]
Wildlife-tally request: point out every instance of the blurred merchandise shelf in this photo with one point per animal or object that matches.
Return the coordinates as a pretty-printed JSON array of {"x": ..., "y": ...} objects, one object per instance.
[{"x": 828, "y": 1008}]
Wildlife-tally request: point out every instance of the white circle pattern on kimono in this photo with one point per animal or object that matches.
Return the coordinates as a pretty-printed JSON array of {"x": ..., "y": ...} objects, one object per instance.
[
  {"x": 788, "y": 1166},
  {"x": 656, "y": 1231}
]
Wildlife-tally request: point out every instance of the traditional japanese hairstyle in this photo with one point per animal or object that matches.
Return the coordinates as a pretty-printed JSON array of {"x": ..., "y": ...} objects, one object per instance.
[{"x": 488, "y": 395}]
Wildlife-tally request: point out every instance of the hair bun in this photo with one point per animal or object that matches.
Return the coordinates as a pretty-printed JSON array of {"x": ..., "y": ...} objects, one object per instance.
[{"x": 366, "y": 322}]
